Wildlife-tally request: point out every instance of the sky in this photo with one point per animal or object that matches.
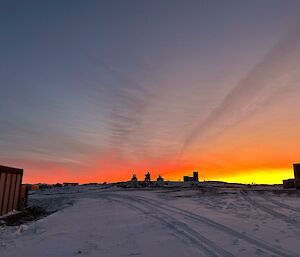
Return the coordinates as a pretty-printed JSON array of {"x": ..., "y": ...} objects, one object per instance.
[{"x": 99, "y": 90}]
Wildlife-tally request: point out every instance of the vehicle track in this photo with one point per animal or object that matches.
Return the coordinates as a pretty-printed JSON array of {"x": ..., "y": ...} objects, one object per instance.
[
  {"x": 180, "y": 228},
  {"x": 282, "y": 205},
  {"x": 218, "y": 226},
  {"x": 205, "y": 240},
  {"x": 268, "y": 210}
]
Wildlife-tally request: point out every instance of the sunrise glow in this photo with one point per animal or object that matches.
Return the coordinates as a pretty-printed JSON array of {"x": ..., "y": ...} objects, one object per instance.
[{"x": 116, "y": 94}]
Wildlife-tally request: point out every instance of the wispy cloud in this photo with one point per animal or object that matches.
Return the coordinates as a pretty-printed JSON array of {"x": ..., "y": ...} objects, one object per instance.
[{"x": 268, "y": 79}]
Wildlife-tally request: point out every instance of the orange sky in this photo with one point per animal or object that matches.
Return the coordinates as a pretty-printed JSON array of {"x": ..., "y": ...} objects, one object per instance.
[{"x": 95, "y": 93}]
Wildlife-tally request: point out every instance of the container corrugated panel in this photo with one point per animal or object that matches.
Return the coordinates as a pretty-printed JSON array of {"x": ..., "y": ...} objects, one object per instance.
[{"x": 10, "y": 188}]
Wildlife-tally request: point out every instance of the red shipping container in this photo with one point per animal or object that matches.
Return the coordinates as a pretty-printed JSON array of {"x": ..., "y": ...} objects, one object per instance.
[{"x": 10, "y": 189}]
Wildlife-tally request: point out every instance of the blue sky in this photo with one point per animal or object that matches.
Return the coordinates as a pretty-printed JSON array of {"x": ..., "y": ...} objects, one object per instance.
[{"x": 82, "y": 79}]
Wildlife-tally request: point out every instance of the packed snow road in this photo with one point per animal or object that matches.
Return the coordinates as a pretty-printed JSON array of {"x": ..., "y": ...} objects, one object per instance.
[{"x": 110, "y": 222}]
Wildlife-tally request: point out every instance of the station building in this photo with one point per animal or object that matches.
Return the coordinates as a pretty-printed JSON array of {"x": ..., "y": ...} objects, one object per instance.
[{"x": 293, "y": 182}]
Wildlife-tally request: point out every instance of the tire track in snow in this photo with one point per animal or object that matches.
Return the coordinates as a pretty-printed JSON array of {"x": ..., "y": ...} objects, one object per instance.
[
  {"x": 268, "y": 210},
  {"x": 205, "y": 240},
  {"x": 195, "y": 217},
  {"x": 202, "y": 243},
  {"x": 282, "y": 205},
  {"x": 179, "y": 232}
]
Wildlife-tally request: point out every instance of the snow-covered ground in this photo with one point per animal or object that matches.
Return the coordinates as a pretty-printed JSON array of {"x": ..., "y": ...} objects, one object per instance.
[{"x": 112, "y": 222}]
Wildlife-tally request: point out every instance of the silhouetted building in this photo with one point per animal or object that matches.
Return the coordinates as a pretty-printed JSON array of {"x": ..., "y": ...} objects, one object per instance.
[
  {"x": 72, "y": 184},
  {"x": 147, "y": 177},
  {"x": 297, "y": 170},
  {"x": 190, "y": 179},
  {"x": 160, "y": 179},
  {"x": 293, "y": 183},
  {"x": 196, "y": 176},
  {"x": 44, "y": 186},
  {"x": 31, "y": 187},
  {"x": 289, "y": 183},
  {"x": 134, "y": 178}
]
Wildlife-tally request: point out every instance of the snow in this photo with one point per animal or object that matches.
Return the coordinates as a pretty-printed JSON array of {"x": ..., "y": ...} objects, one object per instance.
[{"x": 113, "y": 222}]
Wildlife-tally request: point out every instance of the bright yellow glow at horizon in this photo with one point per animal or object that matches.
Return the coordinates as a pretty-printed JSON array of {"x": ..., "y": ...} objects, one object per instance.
[
  {"x": 258, "y": 176},
  {"x": 266, "y": 176}
]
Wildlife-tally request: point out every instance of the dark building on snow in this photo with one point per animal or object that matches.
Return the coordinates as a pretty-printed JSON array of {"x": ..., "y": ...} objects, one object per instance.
[
  {"x": 293, "y": 182},
  {"x": 195, "y": 177}
]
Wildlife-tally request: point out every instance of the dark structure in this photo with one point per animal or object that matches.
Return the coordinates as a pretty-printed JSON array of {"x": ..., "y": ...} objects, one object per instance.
[
  {"x": 31, "y": 187},
  {"x": 24, "y": 196},
  {"x": 195, "y": 177},
  {"x": 289, "y": 183},
  {"x": 147, "y": 177},
  {"x": 188, "y": 179},
  {"x": 297, "y": 170},
  {"x": 10, "y": 189},
  {"x": 293, "y": 182},
  {"x": 160, "y": 179},
  {"x": 67, "y": 184},
  {"x": 134, "y": 178}
]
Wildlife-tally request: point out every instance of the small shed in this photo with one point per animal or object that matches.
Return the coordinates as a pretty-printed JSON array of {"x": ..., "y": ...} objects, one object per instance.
[
  {"x": 10, "y": 189},
  {"x": 289, "y": 183}
]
